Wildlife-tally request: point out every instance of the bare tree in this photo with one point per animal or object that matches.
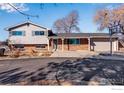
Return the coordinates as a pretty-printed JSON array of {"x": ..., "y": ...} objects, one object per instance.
[
  {"x": 67, "y": 24},
  {"x": 106, "y": 18},
  {"x": 111, "y": 19},
  {"x": 102, "y": 19}
]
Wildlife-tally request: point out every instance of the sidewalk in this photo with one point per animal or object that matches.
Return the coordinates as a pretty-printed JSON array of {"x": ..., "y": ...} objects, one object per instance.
[
  {"x": 79, "y": 54},
  {"x": 115, "y": 58}
]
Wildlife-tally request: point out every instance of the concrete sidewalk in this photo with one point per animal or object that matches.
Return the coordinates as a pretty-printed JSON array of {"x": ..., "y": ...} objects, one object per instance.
[
  {"x": 115, "y": 58},
  {"x": 79, "y": 54}
]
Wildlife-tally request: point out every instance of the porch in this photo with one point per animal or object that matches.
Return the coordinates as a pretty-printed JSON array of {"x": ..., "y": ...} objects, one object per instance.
[{"x": 68, "y": 44}]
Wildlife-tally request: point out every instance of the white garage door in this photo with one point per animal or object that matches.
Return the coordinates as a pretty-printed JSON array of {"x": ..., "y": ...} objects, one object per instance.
[{"x": 103, "y": 46}]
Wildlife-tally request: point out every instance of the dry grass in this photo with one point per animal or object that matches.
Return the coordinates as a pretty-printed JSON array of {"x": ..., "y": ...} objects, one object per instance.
[{"x": 15, "y": 53}]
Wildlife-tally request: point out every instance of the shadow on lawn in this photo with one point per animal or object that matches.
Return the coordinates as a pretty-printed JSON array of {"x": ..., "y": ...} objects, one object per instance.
[{"x": 80, "y": 72}]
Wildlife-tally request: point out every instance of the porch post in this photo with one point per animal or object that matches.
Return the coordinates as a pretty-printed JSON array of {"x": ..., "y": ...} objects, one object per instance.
[
  {"x": 89, "y": 46},
  {"x": 52, "y": 43},
  {"x": 48, "y": 44},
  {"x": 62, "y": 44},
  {"x": 117, "y": 46}
]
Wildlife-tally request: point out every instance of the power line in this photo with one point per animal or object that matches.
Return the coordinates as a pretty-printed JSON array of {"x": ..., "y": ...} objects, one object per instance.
[{"x": 27, "y": 15}]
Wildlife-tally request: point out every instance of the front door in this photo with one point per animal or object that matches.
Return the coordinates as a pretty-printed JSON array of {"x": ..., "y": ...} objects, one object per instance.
[{"x": 55, "y": 44}]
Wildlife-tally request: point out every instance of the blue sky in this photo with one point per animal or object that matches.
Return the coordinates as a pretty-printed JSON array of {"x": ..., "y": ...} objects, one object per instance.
[{"x": 49, "y": 14}]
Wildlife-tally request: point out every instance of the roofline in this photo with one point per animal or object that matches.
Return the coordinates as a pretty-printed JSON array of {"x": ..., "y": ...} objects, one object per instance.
[
  {"x": 65, "y": 37},
  {"x": 89, "y": 35},
  {"x": 7, "y": 28},
  {"x": 55, "y": 37}
]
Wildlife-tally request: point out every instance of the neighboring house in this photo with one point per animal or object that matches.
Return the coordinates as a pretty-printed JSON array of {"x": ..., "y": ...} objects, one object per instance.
[{"x": 29, "y": 35}]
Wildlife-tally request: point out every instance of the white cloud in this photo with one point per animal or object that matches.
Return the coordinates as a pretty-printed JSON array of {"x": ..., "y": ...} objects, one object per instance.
[
  {"x": 6, "y": 7},
  {"x": 113, "y": 6}
]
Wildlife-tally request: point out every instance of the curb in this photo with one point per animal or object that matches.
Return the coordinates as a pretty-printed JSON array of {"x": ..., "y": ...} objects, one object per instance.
[
  {"x": 29, "y": 58},
  {"x": 108, "y": 58}
]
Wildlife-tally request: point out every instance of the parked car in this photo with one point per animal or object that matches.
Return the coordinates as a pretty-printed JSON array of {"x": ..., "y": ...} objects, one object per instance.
[{"x": 3, "y": 49}]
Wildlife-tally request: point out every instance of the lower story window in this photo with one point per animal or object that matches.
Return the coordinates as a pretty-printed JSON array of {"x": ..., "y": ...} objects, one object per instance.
[
  {"x": 40, "y": 46},
  {"x": 74, "y": 41},
  {"x": 19, "y": 46}
]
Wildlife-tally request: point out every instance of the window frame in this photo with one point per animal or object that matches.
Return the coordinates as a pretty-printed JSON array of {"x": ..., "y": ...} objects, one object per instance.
[
  {"x": 38, "y": 33},
  {"x": 76, "y": 41},
  {"x": 17, "y": 33},
  {"x": 40, "y": 46},
  {"x": 20, "y": 46}
]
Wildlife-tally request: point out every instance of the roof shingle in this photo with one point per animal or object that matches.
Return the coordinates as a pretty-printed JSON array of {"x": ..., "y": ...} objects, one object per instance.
[{"x": 70, "y": 35}]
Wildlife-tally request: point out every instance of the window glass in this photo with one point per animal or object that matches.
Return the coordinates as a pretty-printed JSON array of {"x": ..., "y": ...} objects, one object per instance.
[
  {"x": 18, "y": 33},
  {"x": 40, "y": 46},
  {"x": 74, "y": 41},
  {"x": 38, "y": 33},
  {"x": 19, "y": 46}
]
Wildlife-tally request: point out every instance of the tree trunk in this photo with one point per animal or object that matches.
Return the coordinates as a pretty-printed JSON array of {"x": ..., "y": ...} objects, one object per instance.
[{"x": 68, "y": 44}]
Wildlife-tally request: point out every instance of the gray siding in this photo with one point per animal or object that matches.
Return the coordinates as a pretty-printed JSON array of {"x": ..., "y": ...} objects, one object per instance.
[{"x": 28, "y": 38}]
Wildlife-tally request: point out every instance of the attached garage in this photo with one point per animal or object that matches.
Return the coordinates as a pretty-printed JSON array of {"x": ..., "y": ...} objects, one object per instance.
[{"x": 102, "y": 44}]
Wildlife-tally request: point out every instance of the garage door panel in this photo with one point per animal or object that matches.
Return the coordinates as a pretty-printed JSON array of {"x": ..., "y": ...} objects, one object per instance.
[{"x": 102, "y": 46}]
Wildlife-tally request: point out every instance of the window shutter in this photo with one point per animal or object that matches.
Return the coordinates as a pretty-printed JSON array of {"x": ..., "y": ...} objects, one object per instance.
[
  {"x": 23, "y": 33},
  {"x": 33, "y": 33},
  {"x": 10, "y": 33}
]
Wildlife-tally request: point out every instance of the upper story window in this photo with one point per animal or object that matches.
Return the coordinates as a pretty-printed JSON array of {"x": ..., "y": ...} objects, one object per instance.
[
  {"x": 38, "y": 33},
  {"x": 17, "y": 33}
]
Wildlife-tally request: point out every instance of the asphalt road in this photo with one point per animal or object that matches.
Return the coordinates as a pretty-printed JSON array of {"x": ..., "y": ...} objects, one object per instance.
[
  {"x": 12, "y": 70},
  {"x": 85, "y": 70},
  {"x": 29, "y": 65}
]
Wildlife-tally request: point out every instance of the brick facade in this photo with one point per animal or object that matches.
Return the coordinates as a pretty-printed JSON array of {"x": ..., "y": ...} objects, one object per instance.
[
  {"x": 30, "y": 47},
  {"x": 82, "y": 46}
]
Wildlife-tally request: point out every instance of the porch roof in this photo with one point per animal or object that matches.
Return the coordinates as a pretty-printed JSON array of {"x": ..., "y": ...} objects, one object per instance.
[{"x": 81, "y": 35}]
